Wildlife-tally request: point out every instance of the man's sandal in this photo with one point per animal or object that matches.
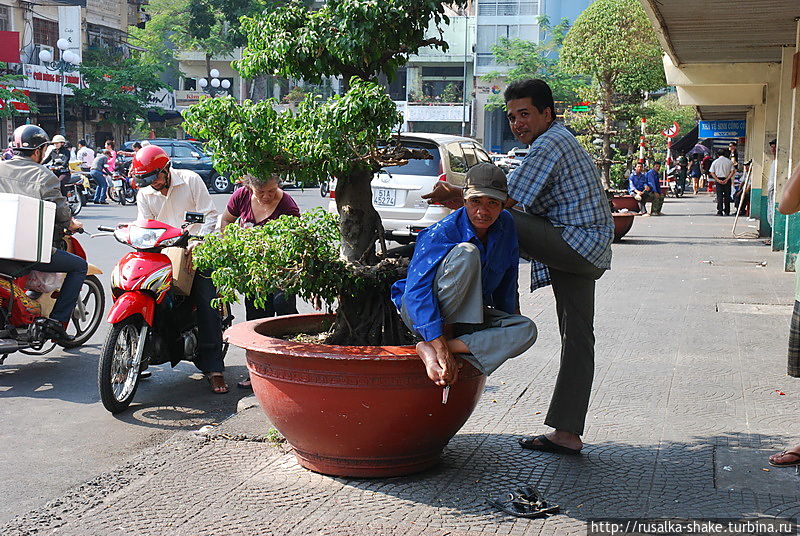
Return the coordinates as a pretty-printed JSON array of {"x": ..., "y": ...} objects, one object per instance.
[
  {"x": 525, "y": 502},
  {"x": 792, "y": 463}
]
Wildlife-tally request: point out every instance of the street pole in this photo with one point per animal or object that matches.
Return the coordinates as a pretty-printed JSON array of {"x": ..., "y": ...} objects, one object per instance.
[
  {"x": 466, "y": 47},
  {"x": 63, "y": 127}
]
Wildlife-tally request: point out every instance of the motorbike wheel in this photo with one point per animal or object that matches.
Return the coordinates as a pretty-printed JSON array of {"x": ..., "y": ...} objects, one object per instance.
[
  {"x": 88, "y": 312},
  {"x": 113, "y": 193},
  {"x": 130, "y": 195},
  {"x": 117, "y": 378},
  {"x": 74, "y": 201}
]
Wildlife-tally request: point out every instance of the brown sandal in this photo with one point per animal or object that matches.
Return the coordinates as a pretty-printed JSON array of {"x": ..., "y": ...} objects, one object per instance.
[
  {"x": 794, "y": 462},
  {"x": 217, "y": 382}
]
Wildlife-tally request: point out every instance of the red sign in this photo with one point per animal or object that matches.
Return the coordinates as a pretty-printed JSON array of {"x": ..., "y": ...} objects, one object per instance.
[
  {"x": 9, "y": 47},
  {"x": 672, "y": 131},
  {"x": 18, "y": 106}
]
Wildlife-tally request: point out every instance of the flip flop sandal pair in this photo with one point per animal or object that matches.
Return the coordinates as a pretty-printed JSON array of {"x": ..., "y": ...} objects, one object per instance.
[
  {"x": 525, "y": 502},
  {"x": 795, "y": 463}
]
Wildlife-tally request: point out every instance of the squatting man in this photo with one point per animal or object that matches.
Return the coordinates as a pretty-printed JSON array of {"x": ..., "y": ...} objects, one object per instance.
[{"x": 460, "y": 295}]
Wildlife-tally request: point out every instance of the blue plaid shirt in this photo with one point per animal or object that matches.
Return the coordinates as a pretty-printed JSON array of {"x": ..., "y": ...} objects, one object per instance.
[{"x": 559, "y": 181}]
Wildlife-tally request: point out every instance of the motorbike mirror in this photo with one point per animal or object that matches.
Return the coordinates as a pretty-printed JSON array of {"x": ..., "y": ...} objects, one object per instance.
[{"x": 195, "y": 217}]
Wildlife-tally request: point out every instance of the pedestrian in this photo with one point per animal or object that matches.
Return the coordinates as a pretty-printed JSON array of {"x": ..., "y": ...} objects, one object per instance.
[
  {"x": 460, "y": 295},
  {"x": 565, "y": 225},
  {"x": 705, "y": 167},
  {"x": 694, "y": 173},
  {"x": 790, "y": 204},
  {"x": 167, "y": 194},
  {"x": 97, "y": 172},
  {"x": 639, "y": 187},
  {"x": 256, "y": 203},
  {"x": 85, "y": 155},
  {"x": 654, "y": 181},
  {"x": 722, "y": 171},
  {"x": 8, "y": 153}
]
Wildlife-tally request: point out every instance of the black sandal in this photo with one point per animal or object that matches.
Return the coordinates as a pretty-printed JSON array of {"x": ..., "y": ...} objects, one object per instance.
[{"x": 526, "y": 502}]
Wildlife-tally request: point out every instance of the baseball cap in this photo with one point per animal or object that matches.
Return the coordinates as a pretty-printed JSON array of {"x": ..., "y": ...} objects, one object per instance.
[{"x": 488, "y": 180}]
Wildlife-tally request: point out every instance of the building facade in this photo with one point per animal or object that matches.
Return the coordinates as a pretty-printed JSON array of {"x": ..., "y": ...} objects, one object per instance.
[{"x": 85, "y": 24}]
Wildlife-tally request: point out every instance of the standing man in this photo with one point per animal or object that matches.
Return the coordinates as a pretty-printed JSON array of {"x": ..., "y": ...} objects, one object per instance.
[
  {"x": 722, "y": 171},
  {"x": 166, "y": 195},
  {"x": 566, "y": 228},
  {"x": 85, "y": 155}
]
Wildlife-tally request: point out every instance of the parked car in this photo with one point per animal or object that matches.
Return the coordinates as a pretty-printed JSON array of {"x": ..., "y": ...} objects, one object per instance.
[
  {"x": 397, "y": 191},
  {"x": 190, "y": 155}
]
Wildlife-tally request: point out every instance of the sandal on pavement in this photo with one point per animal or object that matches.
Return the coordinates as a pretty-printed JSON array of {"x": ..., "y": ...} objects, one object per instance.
[
  {"x": 217, "y": 383},
  {"x": 545, "y": 445},
  {"x": 792, "y": 463},
  {"x": 245, "y": 384},
  {"x": 525, "y": 502}
]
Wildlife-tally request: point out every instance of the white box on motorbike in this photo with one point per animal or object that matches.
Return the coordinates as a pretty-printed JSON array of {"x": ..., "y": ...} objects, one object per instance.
[{"x": 26, "y": 228}]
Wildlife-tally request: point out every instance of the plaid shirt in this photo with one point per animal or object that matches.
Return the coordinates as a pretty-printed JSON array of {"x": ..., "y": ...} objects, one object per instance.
[{"x": 559, "y": 181}]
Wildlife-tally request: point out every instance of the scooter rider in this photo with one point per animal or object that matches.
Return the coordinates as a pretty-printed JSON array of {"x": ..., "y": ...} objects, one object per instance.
[
  {"x": 58, "y": 160},
  {"x": 166, "y": 195},
  {"x": 24, "y": 175}
]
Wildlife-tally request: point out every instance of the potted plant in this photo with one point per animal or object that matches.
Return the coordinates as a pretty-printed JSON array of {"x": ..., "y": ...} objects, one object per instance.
[{"x": 362, "y": 384}]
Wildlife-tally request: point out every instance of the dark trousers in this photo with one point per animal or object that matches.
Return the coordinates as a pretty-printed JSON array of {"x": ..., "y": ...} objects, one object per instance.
[
  {"x": 723, "y": 198},
  {"x": 573, "y": 280},
  {"x": 75, "y": 268},
  {"x": 209, "y": 324},
  {"x": 277, "y": 304}
]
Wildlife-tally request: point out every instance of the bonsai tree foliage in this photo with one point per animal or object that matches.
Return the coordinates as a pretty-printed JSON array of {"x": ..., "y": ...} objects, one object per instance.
[
  {"x": 347, "y": 136},
  {"x": 613, "y": 42}
]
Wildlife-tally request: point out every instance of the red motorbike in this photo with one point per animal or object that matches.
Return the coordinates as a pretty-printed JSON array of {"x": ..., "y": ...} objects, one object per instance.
[
  {"x": 22, "y": 310},
  {"x": 151, "y": 322}
]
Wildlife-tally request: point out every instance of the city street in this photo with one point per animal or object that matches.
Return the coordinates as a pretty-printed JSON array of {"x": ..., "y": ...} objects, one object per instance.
[{"x": 56, "y": 433}]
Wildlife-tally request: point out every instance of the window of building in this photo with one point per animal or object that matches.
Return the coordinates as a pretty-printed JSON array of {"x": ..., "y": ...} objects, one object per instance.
[
  {"x": 507, "y": 8},
  {"x": 5, "y": 19},
  {"x": 45, "y": 32},
  {"x": 443, "y": 72},
  {"x": 190, "y": 84}
]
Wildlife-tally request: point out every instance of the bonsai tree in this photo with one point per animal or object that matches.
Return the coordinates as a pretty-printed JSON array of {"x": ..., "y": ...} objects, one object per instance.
[
  {"x": 613, "y": 42},
  {"x": 347, "y": 136}
]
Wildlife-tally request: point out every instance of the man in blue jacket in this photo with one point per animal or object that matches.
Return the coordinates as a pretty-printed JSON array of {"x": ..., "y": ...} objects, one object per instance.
[
  {"x": 461, "y": 295},
  {"x": 654, "y": 180}
]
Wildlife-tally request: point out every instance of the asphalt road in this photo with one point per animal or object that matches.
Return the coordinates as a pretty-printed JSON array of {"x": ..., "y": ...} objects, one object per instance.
[{"x": 55, "y": 432}]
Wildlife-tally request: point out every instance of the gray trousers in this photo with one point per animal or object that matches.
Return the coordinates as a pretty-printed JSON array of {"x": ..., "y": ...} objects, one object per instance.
[
  {"x": 573, "y": 279},
  {"x": 492, "y": 336}
]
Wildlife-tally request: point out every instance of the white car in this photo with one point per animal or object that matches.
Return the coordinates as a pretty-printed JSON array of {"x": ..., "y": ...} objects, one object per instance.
[{"x": 397, "y": 191}]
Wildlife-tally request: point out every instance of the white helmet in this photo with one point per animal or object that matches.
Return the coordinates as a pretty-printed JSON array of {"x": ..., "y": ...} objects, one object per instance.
[{"x": 58, "y": 138}]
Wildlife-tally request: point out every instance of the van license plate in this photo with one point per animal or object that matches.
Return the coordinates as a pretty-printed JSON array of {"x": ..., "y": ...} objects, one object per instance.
[{"x": 384, "y": 197}]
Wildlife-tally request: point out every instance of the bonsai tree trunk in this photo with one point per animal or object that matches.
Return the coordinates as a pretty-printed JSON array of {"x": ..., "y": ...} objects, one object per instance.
[
  {"x": 606, "y": 108},
  {"x": 366, "y": 316}
]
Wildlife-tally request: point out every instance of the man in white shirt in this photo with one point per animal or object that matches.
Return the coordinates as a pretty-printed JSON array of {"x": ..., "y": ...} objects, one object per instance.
[
  {"x": 167, "y": 195},
  {"x": 722, "y": 171},
  {"x": 85, "y": 155}
]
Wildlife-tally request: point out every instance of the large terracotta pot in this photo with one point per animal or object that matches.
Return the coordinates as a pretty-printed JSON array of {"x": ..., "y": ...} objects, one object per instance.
[
  {"x": 625, "y": 201},
  {"x": 622, "y": 224},
  {"x": 358, "y": 411}
]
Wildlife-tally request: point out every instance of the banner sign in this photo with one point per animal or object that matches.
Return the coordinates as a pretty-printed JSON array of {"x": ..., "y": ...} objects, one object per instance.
[
  {"x": 69, "y": 27},
  {"x": 18, "y": 106},
  {"x": 163, "y": 98},
  {"x": 41, "y": 80},
  {"x": 721, "y": 129}
]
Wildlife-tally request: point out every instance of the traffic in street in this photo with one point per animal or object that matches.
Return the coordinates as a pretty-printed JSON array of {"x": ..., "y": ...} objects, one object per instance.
[{"x": 56, "y": 433}]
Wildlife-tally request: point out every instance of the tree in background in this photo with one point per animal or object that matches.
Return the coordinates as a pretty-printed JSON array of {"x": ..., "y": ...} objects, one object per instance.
[
  {"x": 8, "y": 94},
  {"x": 530, "y": 59},
  {"x": 345, "y": 136},
  {"x": 612, "y": 42},
  {"x": 117, "y": 86}
]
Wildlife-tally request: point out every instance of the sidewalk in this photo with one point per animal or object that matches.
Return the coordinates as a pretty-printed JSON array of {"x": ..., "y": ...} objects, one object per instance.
[{"x": 688, "y": 402}]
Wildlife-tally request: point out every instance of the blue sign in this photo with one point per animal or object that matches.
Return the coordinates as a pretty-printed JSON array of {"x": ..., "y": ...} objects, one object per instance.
[{"x": 721, "y": 129}]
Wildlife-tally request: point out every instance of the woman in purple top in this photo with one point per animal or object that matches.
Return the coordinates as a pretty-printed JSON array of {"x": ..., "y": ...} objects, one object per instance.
[{"x": 259, "y": 201}]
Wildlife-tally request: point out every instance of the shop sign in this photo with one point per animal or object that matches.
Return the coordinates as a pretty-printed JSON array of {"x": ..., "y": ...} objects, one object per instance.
[
  {"x": 721, "y": 129},
  {"x": 41, "y": 80},
  {"x": 18, "y": 106},
  {"x": 163, "y": 98},
  {"x": 184, "y": 98}
]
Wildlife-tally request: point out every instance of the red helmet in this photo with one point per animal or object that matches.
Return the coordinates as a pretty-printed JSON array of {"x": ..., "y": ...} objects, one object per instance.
[{"x": 147, "y": 162}]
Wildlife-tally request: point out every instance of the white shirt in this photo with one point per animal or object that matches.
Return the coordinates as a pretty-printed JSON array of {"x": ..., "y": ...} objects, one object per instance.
[
  {"x": 187, "y": 193},
  {"x": 721, "y": 167},
  {"x": 86, "y": 156}
]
